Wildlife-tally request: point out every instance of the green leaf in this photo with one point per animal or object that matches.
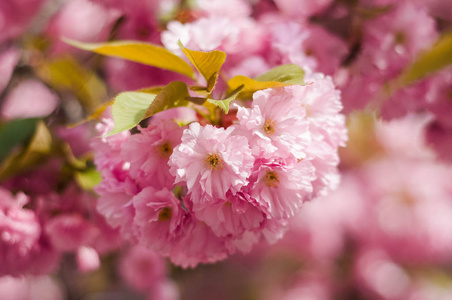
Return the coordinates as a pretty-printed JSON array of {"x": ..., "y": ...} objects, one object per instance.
[
  {"x": 277, "y": 77},
  {"x": 88, "y": 179},
  {"x": 15, "y": 133},
  {"x": 145, "y": 53},
  {"x": 207, "y": 63},
  {"x": 172, "y": 95},
  {"x": 290, "y": 74},
  {"x": 224, "y": 104},
  {"x": 34, "y": 153},
  {"x": 98, "y": 112},
  {"x": 130, "y": 108},
  {"x": 196, "y": 100},
  {"x": 438, "y": 57}
]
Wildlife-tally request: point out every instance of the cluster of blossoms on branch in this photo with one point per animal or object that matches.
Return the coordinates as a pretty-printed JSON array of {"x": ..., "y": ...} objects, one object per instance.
[
  {"x": 227, "y": 135},
  {"x": 198, "y": 193}
]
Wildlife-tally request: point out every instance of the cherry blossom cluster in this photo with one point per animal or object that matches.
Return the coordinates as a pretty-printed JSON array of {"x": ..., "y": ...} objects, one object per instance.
[
  {"x": 197, "y": 184},
  {"x": 198, "y": 193}
]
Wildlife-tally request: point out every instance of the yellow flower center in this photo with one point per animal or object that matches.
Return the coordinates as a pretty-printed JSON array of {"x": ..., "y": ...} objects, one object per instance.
[
  {"x": 165, "y": 214},
  {"x": 269, "y": 127},
  {"x": 214, "y": 161},
  {"x": 165, "y": 150},
  {"x": 271, "y": 179}
]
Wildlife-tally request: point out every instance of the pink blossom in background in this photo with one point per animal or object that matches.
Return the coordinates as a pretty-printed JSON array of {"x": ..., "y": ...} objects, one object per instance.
[
  {"x": 165, "y": 290},
  {"x": 391, "y": 42},
  {"x": 15, "y": 16},
  {"x": 93, "y": 24},
  {"x": 142, "y": 268},
  {"x": 36, "y": 181},
  {"x": 29, "y": 99},
  {"x": 78, "y": 138},
  {"x": 8, "y": 60},
  {"x": 439, "y": 97},
  {"x": 67, "y": 232},
  {"x": 30, "y": 288},
  {"x": 302, "y": 9},
  {"x": 238, "y": 9},
  {"x": 397, "y": 136},
  {"x": 22, "y": 240},
  {"x": 138, "y": 23},
  {"x": 305, "y": 287},
  {"x": 87, "y": 259},
  {"x": 405, "y": 196},
  {"x": 319, "y": 229},
  {"x": 308, "y": 46},
  {"x": 20, "y": 232},
  {"x": 440, "y": 139},
  {"x": 381, "y": 277},
  {"x": 394, "y": 39}
]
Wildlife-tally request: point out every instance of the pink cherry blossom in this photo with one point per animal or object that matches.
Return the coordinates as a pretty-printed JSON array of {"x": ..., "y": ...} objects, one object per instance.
[
  {"x": 275, "y": 124},
  {"x": 381, "y": 277},
  {"x": 69, "y": 231},
  {"x": 117, "y": 187},
  {"x": 149, "y": 166},
  {"x": 31, "y": 288},
  {"x": 87, "y": 259},
  {"x": 29, "y": 99},
  {"x": 198, "y": 245},
  {"x": 397, "y": 136},
  {"x": 395, "y": 38},
  {"x": 8, "y": 60},
  {"x": 94, "y": 23},
  {"x": 159, "y": 219},
  {"x": 303, "y": 8},
  {"x": 142, "y": 268},
  {"x": 22, "y": 241},
  {"x": 231, "y": 216},
  {"x": 211, "y": 161},
  {"x": 404, "y": 196},
  {"x": 16, "y": 16},
  {"x": 280, "y": 188}
]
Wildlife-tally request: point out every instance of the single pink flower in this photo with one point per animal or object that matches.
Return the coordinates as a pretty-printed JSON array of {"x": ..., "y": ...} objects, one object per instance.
[
  {"x": 148, "y": 153},
  {"x": 159, "y": 219},
  {"x": 211, "y": 161},
  {"x": 232, "y": 216},
  {"x": 198, "y": 245},
  {"x": 280, "y": 188},
  {"x": 275, "y": 124}
]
